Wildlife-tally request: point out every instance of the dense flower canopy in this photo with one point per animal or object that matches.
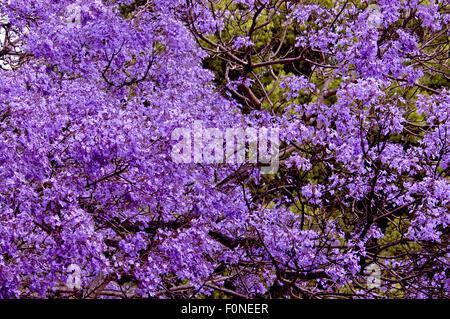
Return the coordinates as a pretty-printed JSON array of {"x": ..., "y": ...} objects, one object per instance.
[{"x": 91, "y": 91}]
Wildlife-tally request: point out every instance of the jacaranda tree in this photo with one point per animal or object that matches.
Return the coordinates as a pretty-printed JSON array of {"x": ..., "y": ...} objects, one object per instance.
[{"x": 92, "y": 203}]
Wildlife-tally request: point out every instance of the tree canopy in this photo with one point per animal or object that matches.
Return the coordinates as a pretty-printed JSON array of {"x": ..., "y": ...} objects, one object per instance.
[{"x": 92, "y": 91}]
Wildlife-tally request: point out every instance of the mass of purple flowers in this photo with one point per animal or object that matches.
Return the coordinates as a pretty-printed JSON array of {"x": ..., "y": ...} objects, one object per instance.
[{"x": 90, "y": 92}]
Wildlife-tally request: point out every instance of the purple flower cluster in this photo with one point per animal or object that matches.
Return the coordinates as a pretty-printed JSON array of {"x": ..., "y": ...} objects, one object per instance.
[{"x": 86, "y": 175}]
